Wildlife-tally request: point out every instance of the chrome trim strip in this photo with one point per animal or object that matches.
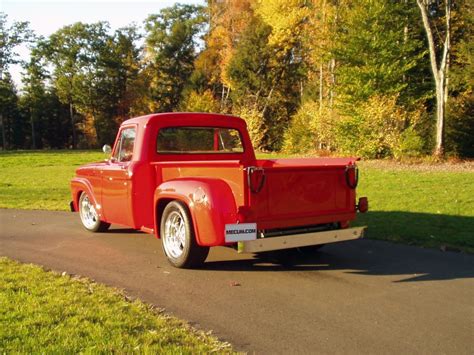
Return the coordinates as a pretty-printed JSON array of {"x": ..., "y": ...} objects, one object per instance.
[{"x": 300, "y": 240}]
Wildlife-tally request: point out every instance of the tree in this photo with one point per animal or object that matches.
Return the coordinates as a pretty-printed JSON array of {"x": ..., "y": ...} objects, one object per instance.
[
  {"x": 12, "y": 127},
  {"x": 439, "y": 49},
  {"x": 264, "y": 86},
  {"x": 65, "y": 51},
  {"x": 126, "y": 68},
  {"x": 171, "y": 50},
  {"x": 34, "y": 90},
  {"x": 96, "y": 74},
  {"x": 460, "y": 108},
  {"x": 10, "y": 38},
  {"x": 375, "y": 55}
]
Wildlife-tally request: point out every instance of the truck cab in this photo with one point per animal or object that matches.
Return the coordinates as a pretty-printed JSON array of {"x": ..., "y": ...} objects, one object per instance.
[{"x": 193, "y": 180}]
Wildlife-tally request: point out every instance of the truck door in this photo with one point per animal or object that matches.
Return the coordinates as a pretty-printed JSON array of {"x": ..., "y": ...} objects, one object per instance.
[{"x": 116, "y": 180}]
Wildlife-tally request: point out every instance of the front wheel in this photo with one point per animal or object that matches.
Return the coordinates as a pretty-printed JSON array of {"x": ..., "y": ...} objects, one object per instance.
[
  {"x": 89, "y": 216},
  {"x": 178, "y": 240}
]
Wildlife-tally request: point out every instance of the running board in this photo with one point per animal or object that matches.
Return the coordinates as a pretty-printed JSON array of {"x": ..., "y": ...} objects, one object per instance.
[{"x": 300, "y": 240}]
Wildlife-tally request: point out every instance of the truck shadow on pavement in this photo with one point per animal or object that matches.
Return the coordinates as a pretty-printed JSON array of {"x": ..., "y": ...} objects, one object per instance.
[{"x": 380, "y": 258}]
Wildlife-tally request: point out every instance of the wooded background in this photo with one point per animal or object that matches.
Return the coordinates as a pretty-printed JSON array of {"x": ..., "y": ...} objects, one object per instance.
[{"x": 377, "y": 78}]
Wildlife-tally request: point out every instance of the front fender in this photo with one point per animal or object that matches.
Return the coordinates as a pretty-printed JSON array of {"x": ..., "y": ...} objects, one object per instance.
[
  {"x": 79, "y": 185},
  {"x": 210, "y": 202}
]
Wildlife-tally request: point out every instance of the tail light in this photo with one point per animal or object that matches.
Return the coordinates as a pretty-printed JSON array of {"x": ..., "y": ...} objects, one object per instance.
[{"x": 363, "y": 205}]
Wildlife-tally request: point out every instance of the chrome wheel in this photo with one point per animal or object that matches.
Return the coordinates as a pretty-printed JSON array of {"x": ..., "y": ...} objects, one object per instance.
[
  {"x": 89, "y": 217},
  {"x": 177, "y": 236},
  {"x": 174, "y": 238}
]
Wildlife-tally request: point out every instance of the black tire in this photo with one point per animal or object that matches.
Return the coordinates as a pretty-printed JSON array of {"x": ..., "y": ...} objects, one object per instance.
[
  {"x": 89, "y": 216},
  {"x": 180, "y": 246}
]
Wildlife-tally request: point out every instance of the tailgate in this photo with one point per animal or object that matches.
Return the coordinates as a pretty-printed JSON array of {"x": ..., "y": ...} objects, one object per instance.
[{"x": 303, "y": 192}]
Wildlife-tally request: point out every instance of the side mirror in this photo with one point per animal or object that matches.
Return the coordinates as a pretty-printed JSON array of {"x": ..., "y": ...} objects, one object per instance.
[{"x": 107, "y": 149}]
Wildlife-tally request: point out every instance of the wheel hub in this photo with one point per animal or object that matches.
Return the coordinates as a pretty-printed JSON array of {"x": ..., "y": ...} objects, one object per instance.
[
  {"x": 175, "y": 235},
  {"x": 88, "y": 213}
]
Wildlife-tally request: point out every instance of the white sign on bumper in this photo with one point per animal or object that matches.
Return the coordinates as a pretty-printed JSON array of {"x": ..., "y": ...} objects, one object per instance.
[{"x": 240, "y": 232}]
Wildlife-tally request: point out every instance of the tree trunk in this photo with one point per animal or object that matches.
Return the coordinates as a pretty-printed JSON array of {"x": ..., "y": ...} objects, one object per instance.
[
  {"x": 4, "y": 139},
  {"x": 320, "y": 86},
  {"x": 222, "y": 97},
  {"x": 439, "y": 147},
  {"x": 439, "y": 70},
  {"x": 332, "y": 68},
  {"x": 33, "y": 138},
  {"x": 73, "y": 126}
]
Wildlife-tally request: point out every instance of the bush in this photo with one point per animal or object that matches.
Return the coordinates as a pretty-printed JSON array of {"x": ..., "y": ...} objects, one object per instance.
[
  {"x": 460, "y": 125},
  {"x": 380, "y": 128},
  {"x": 411, "y": 144},
  {"x": 255, "y": 124},
  {"x": 311, "y": 129}
]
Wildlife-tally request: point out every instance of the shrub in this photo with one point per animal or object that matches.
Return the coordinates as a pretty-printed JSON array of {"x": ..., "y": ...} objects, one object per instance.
[
  {"x": 460, "y": 125},
  {"x": 311, "y": 129},
  {"x": 255, "y": 124},
  {"x": 411, "y": 144},
  {"x": 380, "y": 128}
]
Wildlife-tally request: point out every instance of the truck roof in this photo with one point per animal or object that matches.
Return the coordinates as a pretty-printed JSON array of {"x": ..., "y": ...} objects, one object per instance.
[{"x": 209, "y": 118}]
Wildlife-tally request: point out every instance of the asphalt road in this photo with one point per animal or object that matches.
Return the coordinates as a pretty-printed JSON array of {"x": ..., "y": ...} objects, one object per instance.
[{"x": 353, "y": 297}]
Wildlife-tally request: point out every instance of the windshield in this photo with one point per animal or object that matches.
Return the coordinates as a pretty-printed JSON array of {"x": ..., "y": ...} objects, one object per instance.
[{"x": 204, "y": 140}]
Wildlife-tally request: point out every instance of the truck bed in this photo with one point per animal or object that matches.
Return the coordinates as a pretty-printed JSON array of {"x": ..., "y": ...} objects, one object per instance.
[{"x": 300, "y": 192}]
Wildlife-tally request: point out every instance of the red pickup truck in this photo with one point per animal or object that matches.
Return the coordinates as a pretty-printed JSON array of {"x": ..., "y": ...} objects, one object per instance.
[{"x": 192, "y": 179}]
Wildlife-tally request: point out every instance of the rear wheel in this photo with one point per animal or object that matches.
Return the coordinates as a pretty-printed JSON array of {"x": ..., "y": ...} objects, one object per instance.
[
  {"x": 178, "y": 239},
  {"x": 89, "y": 216}
]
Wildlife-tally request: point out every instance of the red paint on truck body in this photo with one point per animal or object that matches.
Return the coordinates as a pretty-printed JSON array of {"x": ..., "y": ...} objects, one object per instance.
[{"x": 214, "y": 186}]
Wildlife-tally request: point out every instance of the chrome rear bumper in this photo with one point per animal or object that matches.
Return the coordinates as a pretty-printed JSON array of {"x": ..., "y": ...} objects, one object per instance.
[{"x": 300, "y": 240}]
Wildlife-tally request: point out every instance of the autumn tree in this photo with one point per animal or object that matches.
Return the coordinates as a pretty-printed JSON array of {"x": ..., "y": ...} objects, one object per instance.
[
  {"x": 96, "y": 73},
  {"x": 264, "y": 87}
]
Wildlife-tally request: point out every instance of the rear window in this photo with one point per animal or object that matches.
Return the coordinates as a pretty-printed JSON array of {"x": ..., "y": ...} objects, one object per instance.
[{"x": 207, "y": 140}]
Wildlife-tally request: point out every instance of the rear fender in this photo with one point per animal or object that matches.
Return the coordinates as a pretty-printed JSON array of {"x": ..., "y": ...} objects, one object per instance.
[
  {"x": 211, "y": 204},
  {"x": 79, "y": 185}
]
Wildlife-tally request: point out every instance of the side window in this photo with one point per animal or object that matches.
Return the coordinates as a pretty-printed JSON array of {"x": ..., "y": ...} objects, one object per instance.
[{"x": 124, "y": 151}]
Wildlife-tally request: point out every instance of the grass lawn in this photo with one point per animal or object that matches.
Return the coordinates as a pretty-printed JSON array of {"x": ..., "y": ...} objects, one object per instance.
[
  {"x": 40, "y": 179},
  {"x": 431, "y": 207},
  {"x": 49, "y": 313}
]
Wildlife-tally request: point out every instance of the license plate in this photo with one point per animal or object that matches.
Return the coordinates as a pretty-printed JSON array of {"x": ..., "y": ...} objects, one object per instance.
[{"x": 240, "y": 232}]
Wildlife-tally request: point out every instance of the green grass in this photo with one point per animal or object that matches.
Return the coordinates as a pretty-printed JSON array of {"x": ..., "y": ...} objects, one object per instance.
[
  {"x": 430, "y": 207},
  {"x": 40, "y": 179},
  {"x": 45, "y": 312}
]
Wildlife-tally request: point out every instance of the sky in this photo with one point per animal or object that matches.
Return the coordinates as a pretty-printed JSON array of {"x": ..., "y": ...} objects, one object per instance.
[{"x": 45, "y": 17}]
